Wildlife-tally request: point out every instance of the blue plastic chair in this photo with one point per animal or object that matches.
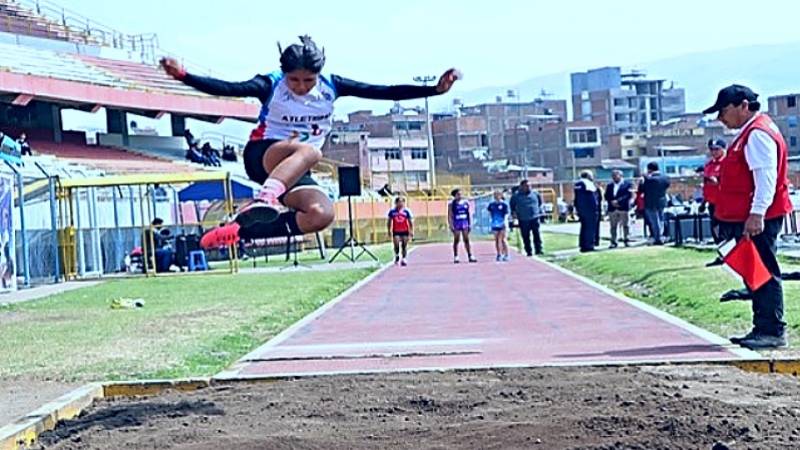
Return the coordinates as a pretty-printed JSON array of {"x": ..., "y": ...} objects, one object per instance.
[{"x": 197, "y": 261}]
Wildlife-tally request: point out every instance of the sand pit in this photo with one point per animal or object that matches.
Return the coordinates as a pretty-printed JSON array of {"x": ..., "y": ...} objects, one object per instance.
[{"x": 563, "y": 408}]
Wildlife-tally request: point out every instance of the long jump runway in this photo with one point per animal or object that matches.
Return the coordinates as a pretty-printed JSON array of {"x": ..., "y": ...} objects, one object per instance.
[{"x": 434, "y": 315}]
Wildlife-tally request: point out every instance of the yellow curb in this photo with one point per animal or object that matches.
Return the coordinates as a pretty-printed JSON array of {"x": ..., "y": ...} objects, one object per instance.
[
  {"x": 68, "y": 406},
  {"x": 24, "y": 431},
  {"x": 21, "y": 433},
  {"x": 757, "y": 366},
  {"x": 152, "y": 387},
  {"x": 787, "y": 367}
]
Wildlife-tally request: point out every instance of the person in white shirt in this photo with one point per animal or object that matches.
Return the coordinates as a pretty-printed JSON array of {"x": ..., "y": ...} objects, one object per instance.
[{"x": 753, "y": 199}]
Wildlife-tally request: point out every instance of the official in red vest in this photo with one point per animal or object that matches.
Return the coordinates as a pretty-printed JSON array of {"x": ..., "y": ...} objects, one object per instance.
[
  {"x": 752, "y": 200},
  {"x": 711, "y": 170}
]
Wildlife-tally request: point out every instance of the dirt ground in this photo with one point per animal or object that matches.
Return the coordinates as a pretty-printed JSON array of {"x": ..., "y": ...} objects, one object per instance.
[
  {"x": 564, "y": 408},
  {"x": 19, "y": 396}
]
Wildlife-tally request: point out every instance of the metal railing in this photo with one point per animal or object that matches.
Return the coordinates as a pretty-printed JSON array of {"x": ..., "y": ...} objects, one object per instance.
[{"x": 61, "y": 23}]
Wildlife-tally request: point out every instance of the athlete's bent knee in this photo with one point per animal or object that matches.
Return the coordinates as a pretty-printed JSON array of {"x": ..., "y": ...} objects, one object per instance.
[
  {"x": 320, "y": 217},
  {"x": 310, "y": 154}
]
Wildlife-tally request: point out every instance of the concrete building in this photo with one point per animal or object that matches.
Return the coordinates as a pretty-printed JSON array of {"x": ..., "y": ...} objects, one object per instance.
[
  {"x": 400, "y": 162},
  {"x": 784, "y": 110},
  {"x": 687, "y": 135},
  {"x": 502, "y": 116},
  {"x": 460, "y": 138},
  {"x": 348, "y": 147},
  {"x": 623, "y": 103},
  {"x": 488, "y": 141},
  {"x": 411, "y": 124},
  {"x": 392, "y": 148}
]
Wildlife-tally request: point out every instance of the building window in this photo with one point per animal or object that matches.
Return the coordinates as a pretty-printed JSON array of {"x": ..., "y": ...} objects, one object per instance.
[
  {"x": 391, "y": 153},
  {"x": 583, "y": 136},
  {"x": 792, "y": 121},
  {"x": 408, "y": 125},
  {"x": 584, "y": 153},
  {"x": 419, "y": 153},
  {"x": 791, "y": 101},
  {"x": 484, "y": 140},
  {"x": 793, "y": 141}
]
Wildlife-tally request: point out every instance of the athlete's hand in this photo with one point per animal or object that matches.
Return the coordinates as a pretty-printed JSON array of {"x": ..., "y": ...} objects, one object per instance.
[
  {"x": 446, "y": 80},
  {"x": 173, "y": 68}
]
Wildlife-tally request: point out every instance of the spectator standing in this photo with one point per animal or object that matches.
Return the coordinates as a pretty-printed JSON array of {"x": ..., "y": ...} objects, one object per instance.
[
  {"x": 526, "y": 208},
  {"x": 655, "y": 187},
  {"x": 618, "y": 196},
  {"x": 588, "y": 209}
]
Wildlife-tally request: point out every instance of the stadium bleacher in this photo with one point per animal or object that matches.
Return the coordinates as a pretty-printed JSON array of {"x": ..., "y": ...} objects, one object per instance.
[
  {"x": 74, "y": 150},
  {"x": 53, "y": 47},
  {"x": 89, "y": 69},
  {"x": 138, "y": 75},
  {"x": 46, "y": 63},
  {"x": 15, "y": 18},
  {"x": 109, "y": 159}
]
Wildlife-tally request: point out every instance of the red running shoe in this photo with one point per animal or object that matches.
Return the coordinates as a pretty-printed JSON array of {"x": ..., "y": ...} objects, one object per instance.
[{"x": 223, "y": 236}]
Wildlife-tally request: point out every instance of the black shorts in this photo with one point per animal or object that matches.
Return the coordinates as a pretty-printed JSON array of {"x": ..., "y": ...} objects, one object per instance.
[
  {"x": 253, "y": 157},
  {"x": 401, "y": 234}
]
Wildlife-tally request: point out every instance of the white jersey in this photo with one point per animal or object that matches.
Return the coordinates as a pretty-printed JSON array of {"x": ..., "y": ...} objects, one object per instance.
[{"x": 308, "y": 118}]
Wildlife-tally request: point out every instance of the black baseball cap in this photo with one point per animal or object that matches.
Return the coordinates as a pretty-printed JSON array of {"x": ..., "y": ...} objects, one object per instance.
[
  {"x": 717, "y": 143},
  {"x": 733, "y": 94}
]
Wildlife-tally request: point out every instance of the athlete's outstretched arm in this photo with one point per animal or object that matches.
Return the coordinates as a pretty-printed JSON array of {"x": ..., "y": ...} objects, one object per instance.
[
  {"x": 259, "y": 86},
  {"x": 346, "y": 87}
]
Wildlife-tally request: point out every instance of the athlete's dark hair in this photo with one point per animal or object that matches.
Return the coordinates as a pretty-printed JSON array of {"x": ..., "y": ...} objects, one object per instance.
[
  {"x": 454, "y": 192},
  {"x": 399, "y": 199},
  {"x": 305, "y": 56}
]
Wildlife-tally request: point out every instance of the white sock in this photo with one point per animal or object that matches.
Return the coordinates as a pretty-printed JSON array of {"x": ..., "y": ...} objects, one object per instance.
[{"x": 271, "y": 190}]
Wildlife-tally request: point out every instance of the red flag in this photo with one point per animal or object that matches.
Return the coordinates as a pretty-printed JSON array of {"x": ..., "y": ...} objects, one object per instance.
[{"x": 743, "y": 258}]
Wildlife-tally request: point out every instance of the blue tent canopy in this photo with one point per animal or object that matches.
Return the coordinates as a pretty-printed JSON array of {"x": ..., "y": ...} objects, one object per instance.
[{"x": 215, "y": 190}]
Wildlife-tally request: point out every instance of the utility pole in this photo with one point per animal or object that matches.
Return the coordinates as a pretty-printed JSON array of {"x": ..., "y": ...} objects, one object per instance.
[
  {"x": 514, "y": 93},
  {"x": 403, "y": 160},
  {"x": 425, "y": 79}
]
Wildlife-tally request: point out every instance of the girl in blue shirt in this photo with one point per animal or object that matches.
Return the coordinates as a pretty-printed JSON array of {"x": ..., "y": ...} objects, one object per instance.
[{"x": 498, "y": 211}]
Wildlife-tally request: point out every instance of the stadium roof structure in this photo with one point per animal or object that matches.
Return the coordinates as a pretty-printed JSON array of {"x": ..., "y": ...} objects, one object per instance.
[{"x": 87, "y": 82}]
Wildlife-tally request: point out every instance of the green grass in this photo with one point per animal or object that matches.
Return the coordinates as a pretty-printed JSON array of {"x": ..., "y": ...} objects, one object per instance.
[
  {"x": 555, "y": 242},
  {"x": 551, "y": 242},
  {"x": 189, "y": 326},
  {"x": 676, "y": 281}
]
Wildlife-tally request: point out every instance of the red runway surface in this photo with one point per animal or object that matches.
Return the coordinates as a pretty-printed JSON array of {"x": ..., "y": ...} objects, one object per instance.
[{"x": 434, "y": 314}]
